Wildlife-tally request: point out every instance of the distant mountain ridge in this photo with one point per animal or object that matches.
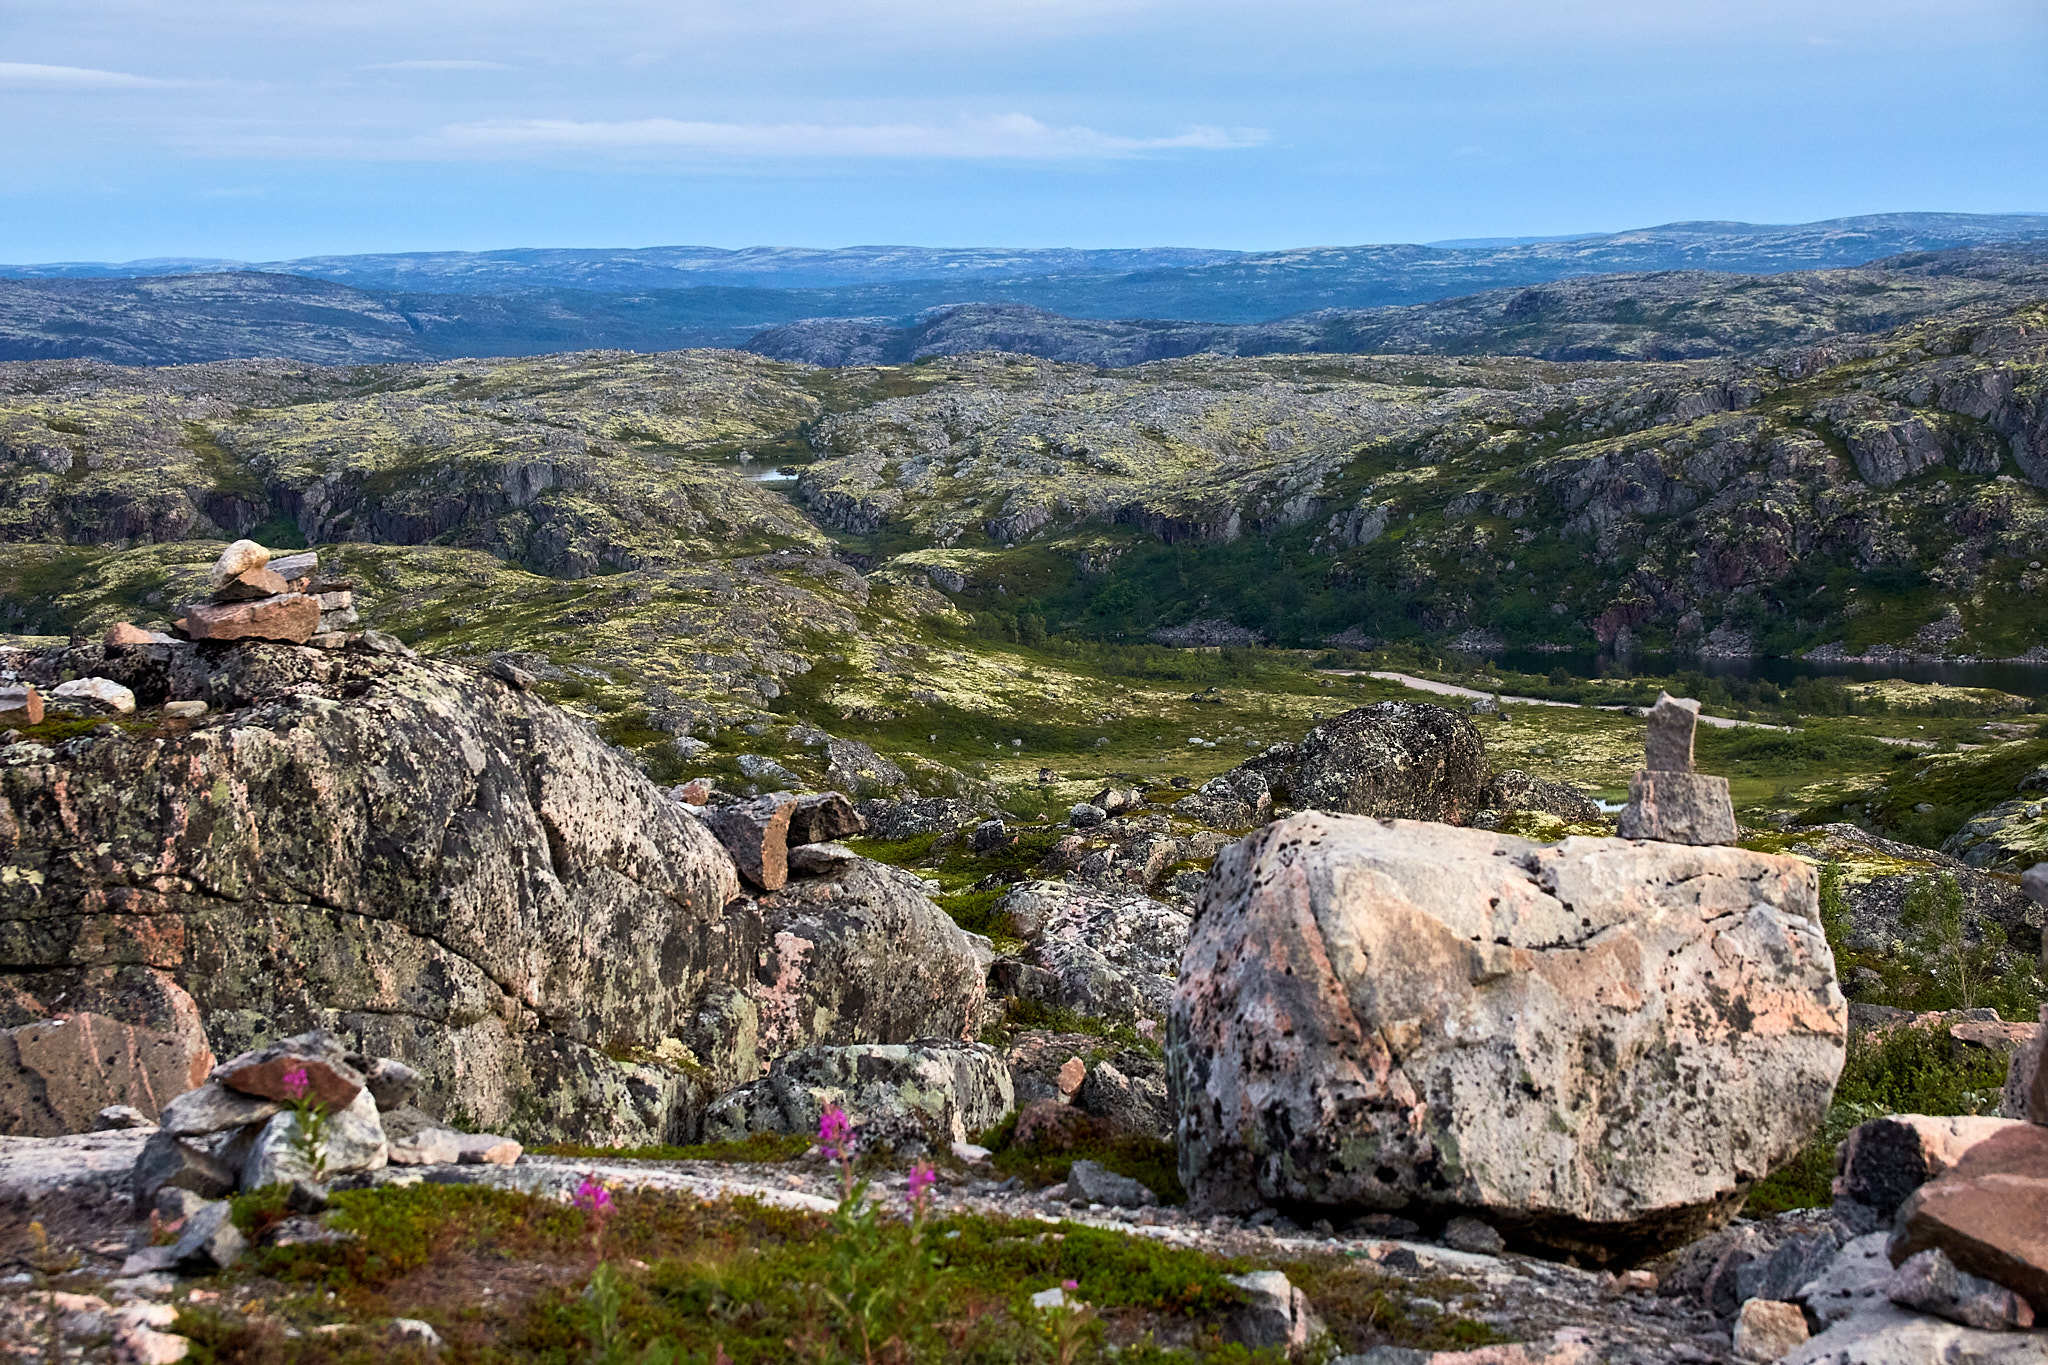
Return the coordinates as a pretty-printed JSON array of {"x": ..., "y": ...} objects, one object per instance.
[{"x": 424, "y": 306}]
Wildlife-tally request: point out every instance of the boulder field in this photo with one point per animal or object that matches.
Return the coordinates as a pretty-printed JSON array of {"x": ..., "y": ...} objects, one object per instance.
[{"x": 1597, "y": 1045}]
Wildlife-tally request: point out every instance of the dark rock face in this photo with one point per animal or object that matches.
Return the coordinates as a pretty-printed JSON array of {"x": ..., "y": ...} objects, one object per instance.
[
  {"x": 438, "y": 867},
  {"x": 1395, "y": 760},
  {"x": 1513, "y": 789}
]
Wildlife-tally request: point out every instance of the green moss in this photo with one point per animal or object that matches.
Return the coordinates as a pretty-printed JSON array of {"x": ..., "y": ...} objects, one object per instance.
[{"x": 755, "y": 1147}]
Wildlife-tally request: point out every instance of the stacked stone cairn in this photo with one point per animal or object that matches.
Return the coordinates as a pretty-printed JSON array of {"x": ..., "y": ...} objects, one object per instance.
[
  {"x": 256, "y": 597},
  {"x": 240, "y": 1130},
  {"x": 1667, "y": 800}
]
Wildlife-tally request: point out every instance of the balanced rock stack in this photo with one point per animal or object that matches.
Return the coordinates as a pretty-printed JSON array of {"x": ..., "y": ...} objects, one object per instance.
[
  {"x": 1667, "y": 800},
  {"x": 240, "y": 1131},
  {"x": 255, "y": 597}
]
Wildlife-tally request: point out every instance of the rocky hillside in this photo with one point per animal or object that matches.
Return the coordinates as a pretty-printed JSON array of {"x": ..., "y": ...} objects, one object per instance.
[
  {"x": 1674, "y": 315},
  {"x": 336, "y": 310},
  {"x": 1864, "y": 495}
]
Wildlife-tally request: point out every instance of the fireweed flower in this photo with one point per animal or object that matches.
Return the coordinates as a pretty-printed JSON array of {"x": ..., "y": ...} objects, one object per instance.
[
  {"x": 1070, "y": 1285},
  {"x": 297, "y": 1082},
  {"x": 593, "y": 1198},
  {"x": 919, "y": 1192},
  {"x": 835, "y": 1134}
]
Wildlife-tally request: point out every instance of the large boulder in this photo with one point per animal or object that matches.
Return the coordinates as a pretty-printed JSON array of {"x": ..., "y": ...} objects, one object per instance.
[
  {"x": 1395, "y": 759},
  {"x": 88, "y": 1040},
  {"x": 1595, "y": 1046},
  {"x": 1107, "y": 953},
  {"x": 927, "y": 1094},
  {"x": 862, "y": 955},
  {"x": 435, "y": 866}
]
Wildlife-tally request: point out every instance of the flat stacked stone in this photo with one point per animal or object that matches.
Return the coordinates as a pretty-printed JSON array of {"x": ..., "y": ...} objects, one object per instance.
[
  {"x": 251, "y": 600},
  {"x": 1667, "y": 800}
]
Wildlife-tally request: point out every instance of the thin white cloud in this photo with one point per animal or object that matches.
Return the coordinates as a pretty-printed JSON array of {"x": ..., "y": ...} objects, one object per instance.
[
  {"x": 36, "y": 76},
  {"x": 439, "y": 64},
  {"x": 1006, "y": 137}
]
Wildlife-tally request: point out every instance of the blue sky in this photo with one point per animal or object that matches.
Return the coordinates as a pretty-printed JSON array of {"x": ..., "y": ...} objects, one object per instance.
[{"x": 261, "y": 130}]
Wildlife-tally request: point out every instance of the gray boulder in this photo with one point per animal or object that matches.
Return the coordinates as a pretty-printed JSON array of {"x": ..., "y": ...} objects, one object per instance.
[
  {"x": 1595, "y": 1046},
  {"x": 862, "y": 955},
  {"x": 927, "y": 1094},
  {"x": 1112, "y": 954},
  {"x": 1089, "y": 1183},
  {"x": 1237, "y": 799},
  {"x": 1407, "y": 760},
  {"x": 354, "y": 1141}
]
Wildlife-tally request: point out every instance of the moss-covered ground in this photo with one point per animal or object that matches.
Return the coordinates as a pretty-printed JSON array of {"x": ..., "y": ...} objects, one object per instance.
[{"x": 508, "y": 1277}]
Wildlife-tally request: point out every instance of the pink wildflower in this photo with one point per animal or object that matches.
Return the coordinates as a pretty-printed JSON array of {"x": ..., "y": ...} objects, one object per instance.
[
  {"x": 593, "y": 1198},
  {"x": 835, "y": 1134},
  {"x": 1070, "y": 1285},
  {"x": 919, "y": 1193},
  {"x": 297, "y": 1082}
]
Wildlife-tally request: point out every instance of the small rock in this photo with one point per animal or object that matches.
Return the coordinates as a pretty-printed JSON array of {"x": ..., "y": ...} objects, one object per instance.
[
  {"x": 1636, "y": 1281},
  {"x": 21, "y": 705},
  {"x": 970, "y": 1153},
  {"x": 822, "y": 817},
  {"x": 305, "y": 1196},
  {"x": 1073, "y": 1072},
  {"x": 1929, "y": 1282},
  {"x": 213, "y": 1108},
  {"x": 1275, "y": 1313},
  {"x": 151, "y": 1260},
  {"x": 1766, "y": 1329},
  {"x": 297, "y": 567},
  {"x": 756, "y": 833},
  {"x": 290, "y": 618},
  {"x": 1089, "y": 1183},
  {"x": 511, "y": 674},
  {"x": 377, "y": 642},
  {"x": 988, "y": 836},
  {"x": 486, "y": 1149},
  {"x": 94, "y": 697},
  {"x": 140, "y": 1345},
  {"x": 2034, "y": 881},
  {"x": 390, "y": 1082},
  {"x": 238, "y": 559},
  {"x": 1885, "y": 1160},
  {"x": 1469, "y": 1234},
  {"x": 428, "y": 1147},
  {"x": 122, "y": 635},
  {"x": 353, "y": 1141},
  {"x": 251, "y": 585},
  {"x": 820, "y": 860},
  {"x": 1668, "y": 746},
  {"x": 168, "y": 1160},
  {"x": 1679, "y": 808},
  {"x": 175, "y": 1205},
  {"x": 412, "y": 1329},
  {"x": 1082, "y": 815},
  {"x": 332, "y": 1081},
  {"x": 118, "y": 1116},
  {"x": 1054, "y": 1297},
  {"x": 184, "y": 710},
  {"x": 210, "y": 1241}
]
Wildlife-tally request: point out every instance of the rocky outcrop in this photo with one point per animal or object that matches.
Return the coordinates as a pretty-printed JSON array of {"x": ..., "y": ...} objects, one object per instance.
[
  {"x": 1595, "y": 1046},
  {"x": 442, "y": 868},
  {"x": 1396, "y": 759},
  {"x": 87, "y": 1040},
  {"x": 924, "y": 1095},
  {"x": 1110, "y": 954}
]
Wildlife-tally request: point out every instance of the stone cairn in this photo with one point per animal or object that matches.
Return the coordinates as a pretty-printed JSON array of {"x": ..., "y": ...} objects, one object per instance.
[
  {"x": 1667, "y": 800},
  {"x": 251, "y": 597},
  {"x": 239, "y": 1131},
  {"x": 256, "y": 597}
]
